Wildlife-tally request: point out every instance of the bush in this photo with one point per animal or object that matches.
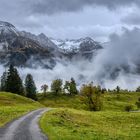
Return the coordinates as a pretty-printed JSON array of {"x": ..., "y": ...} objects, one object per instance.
[
  {"x": 138, "y": 89},
  {"x": 129, "y": 108},
  {"x": 138, "y": 103},
  {"x": 91, "y": 96},
  {"x": 118, "y": 97}
]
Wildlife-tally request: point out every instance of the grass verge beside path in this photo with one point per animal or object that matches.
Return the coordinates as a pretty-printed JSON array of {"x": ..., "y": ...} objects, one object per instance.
[
  {"x": 13, "y": 106},
  {"x": 71, "y": 124}
]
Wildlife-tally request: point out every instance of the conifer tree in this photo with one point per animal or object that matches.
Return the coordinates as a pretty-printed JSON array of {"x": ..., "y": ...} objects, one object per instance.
[
  {"x": 73, "y": 87},
  {"x": 13, "y": 81},
  {"x": 3, "y": 81},
  {"x": 30, "y": 87}
]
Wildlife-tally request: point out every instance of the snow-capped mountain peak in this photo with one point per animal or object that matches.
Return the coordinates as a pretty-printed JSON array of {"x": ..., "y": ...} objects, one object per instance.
[
  {"x": 75, "y": 45},
  {"x": 2, "y": 23},
  {"x": 22, "y": 48},
  {"x": 8, "y": 28}
]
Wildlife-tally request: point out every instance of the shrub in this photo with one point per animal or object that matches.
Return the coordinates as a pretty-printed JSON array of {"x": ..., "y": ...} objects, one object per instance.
[
  {"x": 138, "y": 103},
  {"x": 91, "y": 96},
  {"x": 129, "y": 108},
  {"x": 138, "y": 89}
]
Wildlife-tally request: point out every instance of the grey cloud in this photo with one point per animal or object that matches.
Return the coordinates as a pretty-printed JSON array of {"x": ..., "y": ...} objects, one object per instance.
[
  {"x": 120, "y": 58},
  {"x": 132, "y": 19},
  {"x": 99, "y": 33},
  {"x": 55, "y": 6},
  {"x": 27, "y": 7},
  {"x": 122, "y": 50},
  {"x": 19, "y": 11},
  {"x": 35, "y": 16}
]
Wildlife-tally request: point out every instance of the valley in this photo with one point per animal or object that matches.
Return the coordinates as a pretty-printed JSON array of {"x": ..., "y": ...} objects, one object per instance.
[
  {"x": 70, "y": 118},
  {"x": 70, "y": 70}
]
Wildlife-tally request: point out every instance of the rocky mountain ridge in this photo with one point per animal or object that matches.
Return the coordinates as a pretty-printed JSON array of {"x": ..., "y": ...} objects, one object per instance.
[{"x": 25, "y": 49}]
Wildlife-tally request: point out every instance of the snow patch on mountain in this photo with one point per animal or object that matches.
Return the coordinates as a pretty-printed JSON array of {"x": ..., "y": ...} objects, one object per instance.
[{"x": 73, "y": 45}]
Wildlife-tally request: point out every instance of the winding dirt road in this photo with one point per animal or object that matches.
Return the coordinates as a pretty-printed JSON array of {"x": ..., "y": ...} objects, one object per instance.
[{"x": 24, "y": 128}]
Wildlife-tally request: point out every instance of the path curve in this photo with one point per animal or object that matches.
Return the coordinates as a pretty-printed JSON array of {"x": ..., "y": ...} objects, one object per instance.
[{"x": 24, "y": 128}]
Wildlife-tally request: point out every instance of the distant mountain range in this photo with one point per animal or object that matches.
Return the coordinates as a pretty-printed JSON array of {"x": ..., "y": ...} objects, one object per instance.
[{"x": 25, "y": 49}]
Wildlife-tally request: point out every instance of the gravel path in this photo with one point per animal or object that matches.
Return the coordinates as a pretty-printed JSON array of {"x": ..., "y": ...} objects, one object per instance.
[{"x": 24, "y": 128}]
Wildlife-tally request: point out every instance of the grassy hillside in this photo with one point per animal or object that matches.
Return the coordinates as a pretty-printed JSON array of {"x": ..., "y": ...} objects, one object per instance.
[
  {"x": 111, "y": 101},
  {"x": 13, "y": 106},
  {"x": 71, "y": 124},
  {"x": 72, "y": 120},
  {"x": 61, "y": 101}
]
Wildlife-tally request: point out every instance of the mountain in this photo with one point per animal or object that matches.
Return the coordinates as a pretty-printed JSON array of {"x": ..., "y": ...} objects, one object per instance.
[
  {"x": 7, "y": 29},
  {"x": 84, "y": 47},
  {"x": 22, "y": 51},
  {"x": 42, "y": 39},
  {"x": 82, "y": 44},
  {"x": 25, "y": 49}
]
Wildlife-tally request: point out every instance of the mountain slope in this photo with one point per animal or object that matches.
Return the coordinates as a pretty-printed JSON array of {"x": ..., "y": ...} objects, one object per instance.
[
  {"x": 42, "y": 39},
  {"x": 82, "y": 44},
  {"x": 7, "y": 29},
  {"x": 25, "y": 49},
  {"x": 22, "y": 51},
  {"x": 84, "y": 48}
]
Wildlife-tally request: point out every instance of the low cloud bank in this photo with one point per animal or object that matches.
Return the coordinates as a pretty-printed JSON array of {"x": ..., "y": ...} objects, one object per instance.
[{"x": 118, "y": 64}]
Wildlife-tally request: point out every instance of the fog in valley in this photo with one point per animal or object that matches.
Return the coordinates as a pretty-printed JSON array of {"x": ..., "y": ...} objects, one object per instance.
[{"x": 115, "y": 65}]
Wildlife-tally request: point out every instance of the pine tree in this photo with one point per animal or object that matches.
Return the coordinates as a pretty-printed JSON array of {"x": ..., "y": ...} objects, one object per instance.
[
  {"x": 73, "y": 88},
  {"x": 30, "y": 87},
  {"x": 14, "y": 82},
  {"x": 3, "y": 81}
]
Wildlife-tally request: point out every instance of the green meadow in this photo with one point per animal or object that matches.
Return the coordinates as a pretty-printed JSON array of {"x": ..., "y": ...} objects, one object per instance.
[
  {"x": 13, "y": 106},
  {"x": 71, "y": 120}
]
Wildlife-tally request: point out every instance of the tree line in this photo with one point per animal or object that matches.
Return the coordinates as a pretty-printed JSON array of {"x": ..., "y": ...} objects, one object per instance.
[
  {"x": 11, "y": 82},
  {"x": 89, "y": 94}
]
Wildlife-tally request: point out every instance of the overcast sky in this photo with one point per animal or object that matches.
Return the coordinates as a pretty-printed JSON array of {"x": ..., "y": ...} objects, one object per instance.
[{"x": 72, "y": 19}]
